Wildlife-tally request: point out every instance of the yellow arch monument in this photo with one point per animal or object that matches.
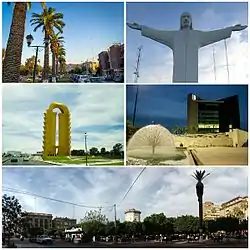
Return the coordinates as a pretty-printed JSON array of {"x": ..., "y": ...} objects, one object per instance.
[{"x": 49, "y": 131}]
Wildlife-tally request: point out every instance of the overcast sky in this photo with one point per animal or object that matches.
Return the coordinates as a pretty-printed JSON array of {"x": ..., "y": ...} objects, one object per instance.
[
  {"x": 168, "y": 190},
  {"x": 157, "y": 60},
  {"x": 24, "y": 105}
]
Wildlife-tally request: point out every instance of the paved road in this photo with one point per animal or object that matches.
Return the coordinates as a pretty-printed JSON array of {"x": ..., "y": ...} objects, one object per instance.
[
  {"x": 205, "y": 244},
  {"x": 22, "y": 162}
]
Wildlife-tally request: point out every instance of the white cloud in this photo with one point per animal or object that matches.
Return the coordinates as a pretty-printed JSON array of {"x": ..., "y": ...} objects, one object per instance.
[
  {"x": 157, "y": 60},
  {"x": 168, "y": 190},
  {"x": 93, "y": 108}
]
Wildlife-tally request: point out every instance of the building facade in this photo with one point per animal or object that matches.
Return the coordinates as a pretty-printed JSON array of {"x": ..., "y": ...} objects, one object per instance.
[
  {"x": 211, "y": 116},
  {"x": 63, "y": 223},
  {"x": 103, "y": 59},
  {"x": 116, "y": 59},
  {"x": 237, "y": 207},
  {"x": 132, "y": 215},
  {"x": 40, "y": 220}
]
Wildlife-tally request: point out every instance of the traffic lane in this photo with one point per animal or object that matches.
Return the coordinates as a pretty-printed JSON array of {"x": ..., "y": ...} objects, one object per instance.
[{"x": 22, "y": 162}]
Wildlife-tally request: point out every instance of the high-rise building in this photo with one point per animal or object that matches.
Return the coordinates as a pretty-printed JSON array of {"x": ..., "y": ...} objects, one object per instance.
[
  {"x": 103, "y": 58},
  {"x": 39, "y": 220},
  {"x": 116, "y": 57},
  {"x": 133, "y": 215},
  {"x": 237, "y": 207},
  {"x": 63, "y": 223},
  {"x": 206, "y": 116}
]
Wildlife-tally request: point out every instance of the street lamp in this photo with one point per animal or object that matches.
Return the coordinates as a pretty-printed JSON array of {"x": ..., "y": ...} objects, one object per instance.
[
  {"x": 200, "y": 176},
  {"x": 30, "y": 39},
  {"x": 86, "y": 149}
]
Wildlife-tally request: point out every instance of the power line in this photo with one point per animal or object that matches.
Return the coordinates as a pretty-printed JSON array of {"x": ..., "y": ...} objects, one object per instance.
[
  {"x": 13, "y": 190},
  {"x": 133, "y": 183}
]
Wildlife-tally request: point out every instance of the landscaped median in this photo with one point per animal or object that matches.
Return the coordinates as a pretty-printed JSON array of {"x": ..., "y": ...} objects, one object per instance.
[{"x": 81, "y": 160}]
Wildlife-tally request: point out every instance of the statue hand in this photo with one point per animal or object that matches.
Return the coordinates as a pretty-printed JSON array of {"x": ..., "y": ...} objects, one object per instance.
[
  {"x": 135, "y": 26},
  {"x": 239, "y": 27}
]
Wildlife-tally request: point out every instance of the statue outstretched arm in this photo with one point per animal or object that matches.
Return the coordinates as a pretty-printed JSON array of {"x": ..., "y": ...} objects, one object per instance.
[
  {"x": 210, "y": 37},
  {"x": 164, "y": 37}
]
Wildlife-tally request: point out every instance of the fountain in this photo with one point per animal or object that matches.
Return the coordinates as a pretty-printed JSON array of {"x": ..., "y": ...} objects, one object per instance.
[{"x": 153, "y": 142}]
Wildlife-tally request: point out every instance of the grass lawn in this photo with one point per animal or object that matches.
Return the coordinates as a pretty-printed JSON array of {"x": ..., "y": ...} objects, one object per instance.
[{"x": 82, "y": 160}]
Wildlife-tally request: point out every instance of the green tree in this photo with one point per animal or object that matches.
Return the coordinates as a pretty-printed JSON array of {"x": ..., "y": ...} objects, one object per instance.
[
  {"x": 94, "y": 223},
  {"x": 117, "y": 150},
  {"x": 56, "y": 40},
  {"x": 93, "y": 151},
  {"x": 11, "y": 216},
  {"x": 103, "y": 151},
  {"x": 48, "y": 20},
  {"x": 158, "y": 224},
  {"x": 186, "y": 224}
]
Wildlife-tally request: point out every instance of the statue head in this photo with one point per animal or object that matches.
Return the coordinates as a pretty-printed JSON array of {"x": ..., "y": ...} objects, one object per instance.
[{"x": 186, "y": 21}]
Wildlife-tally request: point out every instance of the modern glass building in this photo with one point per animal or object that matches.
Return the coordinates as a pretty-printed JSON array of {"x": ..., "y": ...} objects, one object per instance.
[{"x": 212, "y": 116}]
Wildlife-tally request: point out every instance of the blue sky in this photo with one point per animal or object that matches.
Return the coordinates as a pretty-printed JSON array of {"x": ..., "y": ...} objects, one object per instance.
[
  {"x": 167, "y": 105},
  {"x": 24, "y": 105},
  {"x": 168, "y": 190},
  {"x": 156, "y": 61},
  {"x": 90, "y": 28}
]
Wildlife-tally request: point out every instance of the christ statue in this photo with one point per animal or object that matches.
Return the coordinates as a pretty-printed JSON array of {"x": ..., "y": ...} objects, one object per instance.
[{"x": 185, "y": 44}]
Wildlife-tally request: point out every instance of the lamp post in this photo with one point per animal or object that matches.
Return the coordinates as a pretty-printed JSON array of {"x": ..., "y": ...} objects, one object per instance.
[
  {"x": 30, "y": 39},
  {"x": 86, "y": 149}
]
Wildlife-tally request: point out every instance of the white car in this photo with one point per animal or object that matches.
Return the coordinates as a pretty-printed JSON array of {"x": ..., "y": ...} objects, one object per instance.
[
  {"x": 83, "y": 78},
  {"x": 44, "y": 239},
  {"x": 77, "y": 240},
  {"x": 26, "y": 158}
]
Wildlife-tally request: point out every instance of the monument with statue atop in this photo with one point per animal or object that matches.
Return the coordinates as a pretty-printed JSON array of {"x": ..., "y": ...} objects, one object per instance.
[{"x": 185, "y": 44}]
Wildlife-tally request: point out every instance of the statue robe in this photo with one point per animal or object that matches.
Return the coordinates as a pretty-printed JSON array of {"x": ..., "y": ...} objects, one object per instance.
[{"x": 185, "y": 45}]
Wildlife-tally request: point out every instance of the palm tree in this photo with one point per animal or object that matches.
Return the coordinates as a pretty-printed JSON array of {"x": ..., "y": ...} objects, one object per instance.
[
  {"x": 55, "y": 42},
  {"x": 13, "y": 55},
  {"x": 200, "y": 176},
  {"x": 47, "y": 20},
  {"x": 61, "y": 59},
  {"x": 3, "y": 54}
]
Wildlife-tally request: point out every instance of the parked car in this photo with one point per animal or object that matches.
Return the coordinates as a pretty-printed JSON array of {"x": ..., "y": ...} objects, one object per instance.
[
  {"x": 44, "y": 239},
  {"x": 14, "y": 159},
  {"x": 33, "y": 240}
]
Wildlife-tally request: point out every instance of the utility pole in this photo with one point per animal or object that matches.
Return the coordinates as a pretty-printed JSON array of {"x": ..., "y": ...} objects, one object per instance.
[
  {"x": 136, "y": 73},
  {"x": 135, "y": 105},
  {"x": 115, "y": 240}
]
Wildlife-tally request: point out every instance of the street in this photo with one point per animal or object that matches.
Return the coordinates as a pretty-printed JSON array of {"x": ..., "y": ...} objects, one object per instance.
[
  {"x": 20, "y": 161},
  {"x": 233, "y": 243}
]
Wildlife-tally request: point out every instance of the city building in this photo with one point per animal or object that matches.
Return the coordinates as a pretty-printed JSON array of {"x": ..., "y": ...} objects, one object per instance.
[
  {"x": 211, "y": 116},
  {"x": 103, "y": 58},
  {"x": 40, "y": 220},
  {"x": 116, "y": 58},
  {"x": 63, "y": 223},
  {"x": 237, "y": 207},
  {"x": 132, "y": 215},
  {"x": 72, "y": 66}
]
